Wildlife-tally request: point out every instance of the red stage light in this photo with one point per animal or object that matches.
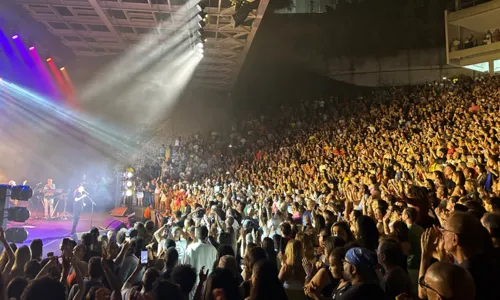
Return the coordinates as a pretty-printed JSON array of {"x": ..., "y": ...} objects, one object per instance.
[
  {"x": 32, "y": 48},
  {"x": 49, "y": 59}
]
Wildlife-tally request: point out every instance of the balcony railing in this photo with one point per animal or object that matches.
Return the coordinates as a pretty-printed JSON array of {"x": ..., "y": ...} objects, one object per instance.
[{"x": 463, "y": 4}]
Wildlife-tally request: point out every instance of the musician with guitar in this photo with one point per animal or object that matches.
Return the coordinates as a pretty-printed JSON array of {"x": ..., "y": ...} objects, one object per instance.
[
  {"x": 79, "y": 202},
  {"x": 48, "y": 198}
]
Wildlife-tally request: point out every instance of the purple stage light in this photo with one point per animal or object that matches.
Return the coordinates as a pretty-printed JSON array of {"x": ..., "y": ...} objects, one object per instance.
[
  {"x": 32, "y": 48},
  {"x": 15, "y": 36}
]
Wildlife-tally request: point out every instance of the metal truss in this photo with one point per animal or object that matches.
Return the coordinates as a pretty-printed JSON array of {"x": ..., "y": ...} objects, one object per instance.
[{"x": 100, "y": 28}]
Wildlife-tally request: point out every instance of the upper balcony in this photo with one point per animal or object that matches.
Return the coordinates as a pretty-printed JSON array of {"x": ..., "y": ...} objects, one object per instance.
[{"x": 473, "y": 36}]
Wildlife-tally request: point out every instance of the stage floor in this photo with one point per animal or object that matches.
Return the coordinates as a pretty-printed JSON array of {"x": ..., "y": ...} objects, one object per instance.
[{"x": 52, "y": 232}]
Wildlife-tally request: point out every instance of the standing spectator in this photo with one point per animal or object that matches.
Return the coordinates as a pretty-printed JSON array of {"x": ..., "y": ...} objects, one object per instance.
[
  {"x": 414, "y": 233},
  {"x": 201, "y": 254},
  {"x": 36, "y": 247},
  {"x": 265, "y": 283}
]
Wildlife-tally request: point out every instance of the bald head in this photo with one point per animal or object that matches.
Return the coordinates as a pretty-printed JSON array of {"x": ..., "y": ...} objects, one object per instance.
[{"x": 449, "y": 281}]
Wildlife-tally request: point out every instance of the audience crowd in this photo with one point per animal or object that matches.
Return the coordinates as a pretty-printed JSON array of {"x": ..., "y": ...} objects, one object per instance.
[{"x": 392, "y": 195}]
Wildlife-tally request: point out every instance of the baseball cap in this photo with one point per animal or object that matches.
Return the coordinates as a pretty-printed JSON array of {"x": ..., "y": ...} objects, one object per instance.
[{"x": 361, "y": 257}]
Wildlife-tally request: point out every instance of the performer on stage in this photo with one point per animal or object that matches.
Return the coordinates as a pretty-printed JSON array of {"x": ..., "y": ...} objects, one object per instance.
[
  {"x": 78, "y": 204},
  {"x": 48, "y": 198}
]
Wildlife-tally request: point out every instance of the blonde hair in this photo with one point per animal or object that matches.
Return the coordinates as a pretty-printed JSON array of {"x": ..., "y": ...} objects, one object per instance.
[{"x": 294, "y": 253}]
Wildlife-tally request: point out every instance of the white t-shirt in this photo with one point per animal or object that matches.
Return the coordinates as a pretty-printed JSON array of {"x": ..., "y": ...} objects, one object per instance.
[
  {"x": 181, "y": 246},
  {"x": 200, "y": 255}
]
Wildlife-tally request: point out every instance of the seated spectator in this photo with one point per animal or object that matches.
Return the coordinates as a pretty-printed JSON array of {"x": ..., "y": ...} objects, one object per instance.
[
  {"x": 359, "y": 269},
  {"x": 396, "y": 280},
  {"x": 448, "y": 281}
]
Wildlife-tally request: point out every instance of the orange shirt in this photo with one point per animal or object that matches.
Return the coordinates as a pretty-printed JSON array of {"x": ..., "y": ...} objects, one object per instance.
[{"x": 147, "y": 213}]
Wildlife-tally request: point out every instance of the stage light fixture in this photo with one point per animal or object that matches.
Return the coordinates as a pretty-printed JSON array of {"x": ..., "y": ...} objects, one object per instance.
[
  {"x": 129, "y": 183},
  {"x": 62, "y": 69},
  {"x": 49, "y": 59},
  {"x": 18, "y": 214},
  {"x": 199, "y": 45},
  {"x": 130, "y": 174},
  {"x": 241, "y": 14},
  {"x": 21, "y": 192},
  {"x": 15, "y": 37},
  {"x": 200, "y": 50},
  {"x": 16, "y": 235},
  {"x": 32, "y": 48},
  {"x": 128, "y": 193}
]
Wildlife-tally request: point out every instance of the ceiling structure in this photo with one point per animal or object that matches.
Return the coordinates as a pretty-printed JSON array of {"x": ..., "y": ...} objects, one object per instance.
[{"x": 96, "y": 28}]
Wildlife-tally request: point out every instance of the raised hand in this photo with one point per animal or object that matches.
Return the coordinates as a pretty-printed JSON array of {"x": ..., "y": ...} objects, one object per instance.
[{"x": 203, "y": 275}]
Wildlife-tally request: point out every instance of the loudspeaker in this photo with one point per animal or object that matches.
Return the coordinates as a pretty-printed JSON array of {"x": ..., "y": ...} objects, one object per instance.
[
  {"x": 119, "y": 212},
  {"x": 113, "y": 224}
]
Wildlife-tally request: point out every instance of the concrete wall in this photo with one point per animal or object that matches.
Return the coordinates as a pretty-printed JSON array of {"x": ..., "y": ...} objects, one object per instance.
[{"x": 406, "y": 67}]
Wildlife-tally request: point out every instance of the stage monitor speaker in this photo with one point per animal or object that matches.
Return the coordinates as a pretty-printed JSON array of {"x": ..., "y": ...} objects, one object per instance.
[
  {"x": 119, "y": 212},
  {"x": 113, "y": 224}
]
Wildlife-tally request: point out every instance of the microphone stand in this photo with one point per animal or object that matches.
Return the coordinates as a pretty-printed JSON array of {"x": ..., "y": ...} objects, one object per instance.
[{"x": 92, "y": 208}]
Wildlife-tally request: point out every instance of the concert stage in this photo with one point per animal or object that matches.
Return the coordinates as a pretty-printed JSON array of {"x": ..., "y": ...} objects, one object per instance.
[{"x": 52, "y": 232}]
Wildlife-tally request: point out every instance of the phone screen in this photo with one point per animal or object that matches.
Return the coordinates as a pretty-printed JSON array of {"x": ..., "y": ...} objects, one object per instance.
[{"x": 144, "y": 257}]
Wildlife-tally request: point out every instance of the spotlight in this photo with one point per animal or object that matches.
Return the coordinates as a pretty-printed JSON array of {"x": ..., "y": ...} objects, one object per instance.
[
  {"x": 16, "y": 235},
  {"x": 49, "y": 59},
  {"x": 62, "y": 69},
  {"x": 199, "y": 7},
  {"x": 128, "y": 193},
  {"x": 203, "y": 15},
  {"x": 241, "y": 14},
  {"x": 18, "y": 214},
  {"x": 21, "y": 192},
  {"x": 130, "y": 174},
  {"x": 129, "y": 183},
  {"x": 200, "y": 50},
  {"x": 32, "y": 48},
  {"x": 199, "y": 45},
  {"x": 15, "y": 37}
]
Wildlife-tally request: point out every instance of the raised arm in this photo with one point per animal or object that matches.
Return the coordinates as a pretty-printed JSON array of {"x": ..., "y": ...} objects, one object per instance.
[{"x": 79, "y": 279}]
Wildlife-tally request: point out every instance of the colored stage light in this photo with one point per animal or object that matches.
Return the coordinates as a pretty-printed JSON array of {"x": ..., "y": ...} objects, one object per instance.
[
  {"x": 32, "y": 48},
  {"x": 49, "y": 59},
  {"x": 15, "y": 37},
  {"x": 62, "y": 69}
]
